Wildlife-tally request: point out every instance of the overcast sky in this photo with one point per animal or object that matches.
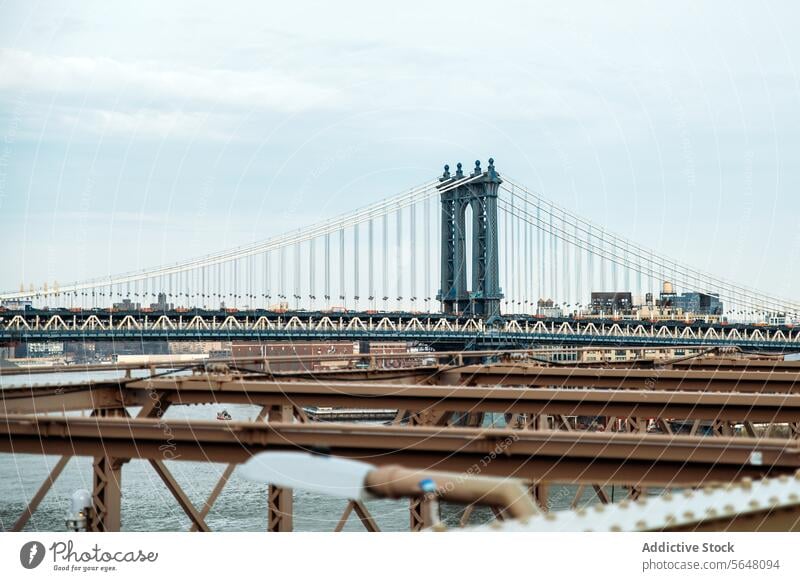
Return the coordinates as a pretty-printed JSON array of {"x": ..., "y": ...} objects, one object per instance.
[{"x": 130, "y": 139}]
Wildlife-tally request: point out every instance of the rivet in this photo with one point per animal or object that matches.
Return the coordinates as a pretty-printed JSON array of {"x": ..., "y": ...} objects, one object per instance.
[
  {"x": 549, "y": 516},
  {"x": 793, "y": 497},
  {"x": 747, "y": 483},
  {"x": 496, "y": 525},
  {"x": 783, "y": 478},
  {"x": 688, "y": 493},
  {"x": 581, "y": 512},
  {"x": 728, "y": 508},
  {"x": 624, "y": 503},
  {"x": 669, "y": 519},
  {"x": 615, "y": 528},
  {"x": 439, "y": 527},
  {"x": 774, "y": 500},
  {"x": 753, "y": 503},
  {"x": 667, "y": 496},
  {"x": 711, "y": 512},
  {"x": 640, "y": 524},
  {"x": 599, "y": 507},
  {"x": 688, "y": 514}
]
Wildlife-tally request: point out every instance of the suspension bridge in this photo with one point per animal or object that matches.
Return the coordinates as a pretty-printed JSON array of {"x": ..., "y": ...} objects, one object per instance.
[{"x": 468, "y": 260}]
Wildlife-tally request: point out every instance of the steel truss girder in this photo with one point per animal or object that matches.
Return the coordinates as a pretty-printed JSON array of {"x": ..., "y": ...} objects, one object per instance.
[
  {"x": 641, "y": 459},
  {"x": 431, "y": 404}
]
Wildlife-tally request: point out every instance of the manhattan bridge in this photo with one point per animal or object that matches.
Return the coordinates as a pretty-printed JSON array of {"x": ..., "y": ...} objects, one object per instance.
[{"x": 469, "y": 260}]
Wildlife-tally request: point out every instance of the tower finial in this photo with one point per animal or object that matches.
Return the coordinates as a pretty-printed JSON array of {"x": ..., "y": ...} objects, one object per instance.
[
  {"x": 477, "y": 171},
  {"x": 446, "y": 174},
  {"x": 492, "y": 171},
  {"x": 459, "y": 172}
]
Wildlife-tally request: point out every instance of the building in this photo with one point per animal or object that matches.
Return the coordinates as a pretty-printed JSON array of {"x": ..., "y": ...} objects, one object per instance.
[
  {"x": 547, "y": 308},
  {"x": 304, "y": 349},
  {"x": 162, "y": 304},
  {"x": 611, "y": 303},
  {"x": 17, "y": 304},
  {"x": 127, "y": 305},
  {"x": 49, "y": 349},
  {"x": 329, "y": 355},
  {"x": 625, "y": 354},
  {"x": 197, "y": 347},
  {"x": 695, "y": 303}
]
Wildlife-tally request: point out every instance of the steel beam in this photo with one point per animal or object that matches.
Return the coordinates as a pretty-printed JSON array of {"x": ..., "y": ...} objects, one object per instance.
[
  {"x": 648, "y": 379},
  {"x": 642, "y": 459},
  {"x": 40, "y": 494},
  {"x": 430, "y": 400}
]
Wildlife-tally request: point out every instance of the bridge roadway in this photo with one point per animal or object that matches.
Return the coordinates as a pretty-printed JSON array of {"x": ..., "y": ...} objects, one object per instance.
[
  {"x": 442, "y": 332},
  {"x": 579, "y": 457}
]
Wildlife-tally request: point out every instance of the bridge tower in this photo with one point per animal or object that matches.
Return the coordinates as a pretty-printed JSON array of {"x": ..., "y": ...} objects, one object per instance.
[{"x": 480, "y": 194}]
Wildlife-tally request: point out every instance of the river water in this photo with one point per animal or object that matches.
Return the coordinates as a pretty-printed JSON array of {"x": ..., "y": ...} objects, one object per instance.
[{"x": 147, "y": 504}]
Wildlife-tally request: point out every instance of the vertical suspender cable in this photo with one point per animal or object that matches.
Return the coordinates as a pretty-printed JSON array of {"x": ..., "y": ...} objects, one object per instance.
[
  {"x": 312, "y": 269},
  {"x": 399, "y": 255},
  {"x": 427, "y": 254},
  {"x": 527, "y": 261},
  {"x": 371, "y": 260},
  {"x": 327, "y": 270},
  {"x": 626, "y": 267},
  {"x": 296, "y": 265},
  {"x": 590, "y": 267},
  {"x": 341, "y": 266},
  {"x": 253, "y": 281},
  {"x": 412, "y": 219},
  {"x": 356, "y": 294},
  {"x": 507, "y": 282},
  {"x": 282, "y": 274},
  {"x": 602, "y": 261},
  {"x": 235, "y": 288},
  {"x": 578, "y": 270},
  {"x": 385, "y": 261},
  {"x": 267, "y": 277}
]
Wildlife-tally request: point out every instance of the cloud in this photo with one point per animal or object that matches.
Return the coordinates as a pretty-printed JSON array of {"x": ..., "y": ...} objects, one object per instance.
[
  {"x": 148, "y": 123},
  {"x": 105, "y": 77}
]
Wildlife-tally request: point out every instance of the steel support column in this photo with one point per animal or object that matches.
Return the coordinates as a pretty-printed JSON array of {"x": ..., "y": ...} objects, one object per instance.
[
  {"x": 107, "y": 484},
  {"x": 106, "y": 494},
  {"x": 279, "y": 509},
  {"x": 280, "y": 500},
  {"x": 420, "y": 513}
]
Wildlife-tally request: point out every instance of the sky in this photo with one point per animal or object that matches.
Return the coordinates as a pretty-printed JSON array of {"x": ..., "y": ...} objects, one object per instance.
[{"x": 132, "y": 138}]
